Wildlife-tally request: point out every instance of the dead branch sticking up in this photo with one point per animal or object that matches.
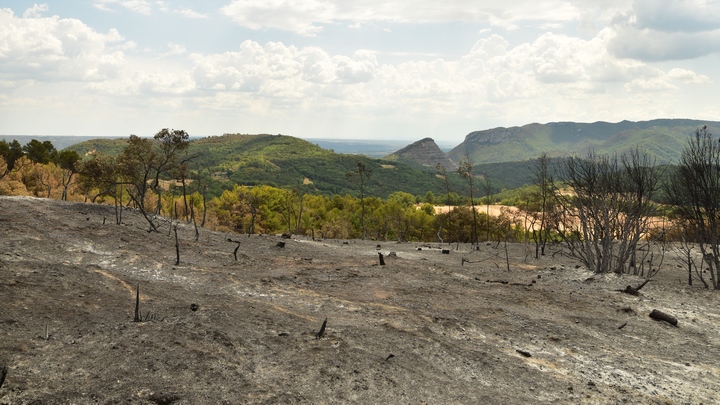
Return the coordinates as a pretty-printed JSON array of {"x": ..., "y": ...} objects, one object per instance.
[
  {"x": 137, "y": 317},
  {"x": 322, "y": 330},
  {"x": 634, "y": 290}
]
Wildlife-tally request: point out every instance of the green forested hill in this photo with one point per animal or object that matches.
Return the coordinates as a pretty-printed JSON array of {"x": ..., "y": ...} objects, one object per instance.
[
  {"x": 106, "y": 146},
  {"x": 289, "y": 162},
  {"x": 285, "y": 161},
  {"x": 662, "y": 138}
]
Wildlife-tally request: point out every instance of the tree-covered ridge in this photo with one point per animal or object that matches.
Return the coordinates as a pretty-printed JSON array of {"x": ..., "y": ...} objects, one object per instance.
[
  {"x": 232, "y": 151},
  {"x": 663, "y": 139},
  {"x": 105, "y": 146},
  {"x": 285, "y": 161},
  {"x": 288, "y": 162}
]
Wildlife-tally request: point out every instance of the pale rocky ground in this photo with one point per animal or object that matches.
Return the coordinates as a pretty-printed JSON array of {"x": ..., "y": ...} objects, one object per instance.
[{"x": 422, "y": 328}]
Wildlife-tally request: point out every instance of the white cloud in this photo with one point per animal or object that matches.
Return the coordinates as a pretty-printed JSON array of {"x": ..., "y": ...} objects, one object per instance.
[
  {"x": 607, "y": 73},
  {"x": 657, "y": 80},
  {"x": 658, "y": 30},
  {"x": 309, "y": 17},
  {"x": 54, "y": 48},
  {"x": 174, "y": 50},
  {"x": 259, "y": 69},
  {"x": 299, "y": 17},
  {"x": 687, "y": 76},
  {"x": 186, "y": 12},
  {"x": 35, "y": 11},
  {"x": 138, "y": 6}
]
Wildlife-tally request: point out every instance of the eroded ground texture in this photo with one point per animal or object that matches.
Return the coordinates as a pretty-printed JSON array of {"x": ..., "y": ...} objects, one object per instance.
[{"x": 425, "y": 327}]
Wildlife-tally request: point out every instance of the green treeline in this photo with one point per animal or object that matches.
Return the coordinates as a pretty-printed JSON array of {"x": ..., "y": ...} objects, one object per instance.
[{"x": 265, "y": 209}]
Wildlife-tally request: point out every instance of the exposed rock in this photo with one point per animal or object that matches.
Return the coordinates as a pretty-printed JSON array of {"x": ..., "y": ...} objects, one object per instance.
[{"x": 427, "y": 153}]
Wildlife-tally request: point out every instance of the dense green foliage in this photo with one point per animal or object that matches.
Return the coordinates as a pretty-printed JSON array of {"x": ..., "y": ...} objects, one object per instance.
[
  {"x": 289, "y": 162},
  {"x": 663, "y": 139},
  {"x": 105, "y": 146},
  {"x": 264, "y": 209}
]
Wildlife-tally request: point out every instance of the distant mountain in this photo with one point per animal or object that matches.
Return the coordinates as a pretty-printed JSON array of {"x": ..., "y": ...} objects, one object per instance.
[
  {"x": 662, "y": 138},
  {"x": 425, "y": 152}
]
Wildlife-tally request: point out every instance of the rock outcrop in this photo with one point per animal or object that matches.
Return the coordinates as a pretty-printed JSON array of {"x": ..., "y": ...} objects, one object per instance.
[{"x": 427, "y": 153}]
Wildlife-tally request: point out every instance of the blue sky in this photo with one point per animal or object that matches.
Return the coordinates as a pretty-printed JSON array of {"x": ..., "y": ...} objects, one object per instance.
[{"x": 367, "y": 69}]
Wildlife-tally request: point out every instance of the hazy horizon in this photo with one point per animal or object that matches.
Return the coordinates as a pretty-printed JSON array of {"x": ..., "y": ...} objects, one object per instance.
[{"x": 371, "y": 147}]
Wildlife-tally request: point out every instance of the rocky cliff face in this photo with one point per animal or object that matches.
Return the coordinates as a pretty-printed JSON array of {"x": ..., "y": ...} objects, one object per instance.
[
  {"x": 495, "y": 135},
  {"x": 427, "y": 153}
]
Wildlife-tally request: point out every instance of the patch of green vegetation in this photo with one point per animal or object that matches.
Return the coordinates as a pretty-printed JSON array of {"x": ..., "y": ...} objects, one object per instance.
[
  {"x": 288, "y": 162},
  {"x": 106, "y": 146},
  {"x": 664, "y": 139}
]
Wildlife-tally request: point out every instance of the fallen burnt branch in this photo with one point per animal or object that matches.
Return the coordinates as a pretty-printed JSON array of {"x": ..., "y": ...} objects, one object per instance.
[
  {"x": 662, "y": 316},
  {"x": 524, "y": 284},
  {"x": 466, "y": 260},
  {"x": 634, "y": 290},
  {"x": 509, "y": 283}
]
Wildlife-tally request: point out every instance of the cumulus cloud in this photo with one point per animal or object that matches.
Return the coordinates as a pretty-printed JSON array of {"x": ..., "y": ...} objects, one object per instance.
[
  {"x": 146, "y": 7},
  {"x": 687, "y": 76},
  {"x": 174, "y": 50},
  {"x": 257, "y": 68},
  {"x": 554, "y": 75},
  {"x": 659, "y": 30},
  {"x": 54, "y": 48},
  {"x": 309, "y": 17},
  {"x": 138, "y": 6},
  {"x": 186, "y": 12},
  {"x": 299, "y": 17},
  {"x": 658, "y": 80},
  {"x": 35, "y": 11}
]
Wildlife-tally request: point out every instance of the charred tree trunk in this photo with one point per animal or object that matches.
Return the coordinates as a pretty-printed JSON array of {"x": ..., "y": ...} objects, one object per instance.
[
  {"x": 137, "y": 317},
  {"x": 177, "y": 246},
  {"x": 662, "y": 316}
]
